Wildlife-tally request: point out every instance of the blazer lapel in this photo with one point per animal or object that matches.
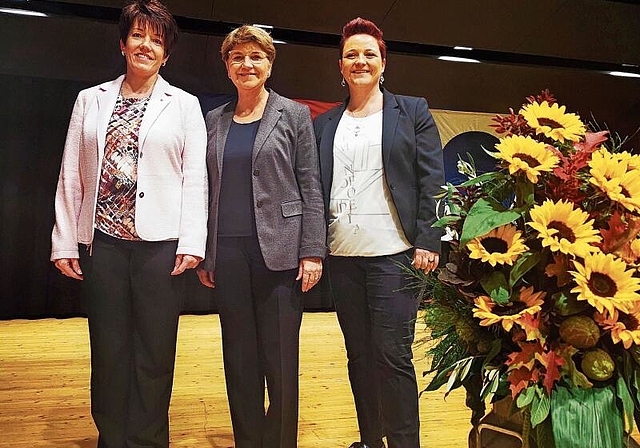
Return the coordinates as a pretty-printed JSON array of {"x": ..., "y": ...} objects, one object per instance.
[
  {"x": 326, "y": 148},
  {"x": 160, "y": 99},
  {"x": 390, "y": 115},
  {"x": 106, "y": 101},
  {"x": 222, "y": 131},
  {"x": 270, "y": 117}
]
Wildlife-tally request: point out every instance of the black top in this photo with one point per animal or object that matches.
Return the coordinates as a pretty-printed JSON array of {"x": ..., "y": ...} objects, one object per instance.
[{"x": 235, "y": 209}]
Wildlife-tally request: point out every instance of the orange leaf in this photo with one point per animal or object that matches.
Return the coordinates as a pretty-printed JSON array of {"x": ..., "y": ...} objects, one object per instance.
[{"x": 552, "y": 363}]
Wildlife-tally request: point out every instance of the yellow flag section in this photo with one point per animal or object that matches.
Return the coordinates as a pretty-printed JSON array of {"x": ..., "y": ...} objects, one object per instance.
[{"x": 451, "y": 123}]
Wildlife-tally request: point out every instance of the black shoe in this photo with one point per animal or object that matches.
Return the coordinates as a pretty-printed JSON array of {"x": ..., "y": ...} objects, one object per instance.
[{"x": 364, "y": 445}]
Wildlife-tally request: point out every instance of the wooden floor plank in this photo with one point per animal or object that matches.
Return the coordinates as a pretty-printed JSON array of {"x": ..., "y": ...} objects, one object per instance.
[{"x": 44, "y": 388}]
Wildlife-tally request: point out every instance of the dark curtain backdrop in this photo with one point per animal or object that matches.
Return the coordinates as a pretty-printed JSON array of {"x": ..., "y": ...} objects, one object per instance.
[{"x": 34, "y": 118}]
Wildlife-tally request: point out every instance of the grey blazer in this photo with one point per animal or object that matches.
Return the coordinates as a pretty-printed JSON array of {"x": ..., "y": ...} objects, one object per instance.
[{"x": 287, "y": 196}]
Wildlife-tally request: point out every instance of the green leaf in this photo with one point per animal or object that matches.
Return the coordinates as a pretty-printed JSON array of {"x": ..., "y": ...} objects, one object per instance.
[
  {"x": 627, "y": 403},
  {"x": 491, "y": 384},
  {"x": 586, "y": 418},
  {"x": 484, "y": 216},
  {"x": 523, "y": 264},
  {"x": 540, "y": 407},
  {"x": 496, "y": 347},
  {"x": 526, "y": 397},
  {"x": 483, "y": 178},
  {"x": 446, "y": 220},
  {"x": 495, "y": 285},
  {"x": 567, "y": 305},
  {"x": 524, "y": 192}
]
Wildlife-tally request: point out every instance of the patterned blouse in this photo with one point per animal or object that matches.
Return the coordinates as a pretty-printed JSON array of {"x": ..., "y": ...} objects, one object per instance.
[{"x": 116, "y": 206}]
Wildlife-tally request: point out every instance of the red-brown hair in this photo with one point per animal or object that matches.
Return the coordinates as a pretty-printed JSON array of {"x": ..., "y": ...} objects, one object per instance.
[{"x": 363, "y": 26}]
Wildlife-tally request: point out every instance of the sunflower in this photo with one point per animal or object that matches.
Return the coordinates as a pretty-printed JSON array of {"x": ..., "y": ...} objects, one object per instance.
[
  {"x": 553, "y": 122},
  {"x": 629, "y": 193},
  {"x": 526, "y": 155},
  {"x": 635, "y": 248},
  {"x": 624, "y": 327},
  {"x": 617, "y": 176},
  {"x": 489, "y": 313},
  {"x": 561, "y": 227},
  {"x": 502, "y": 245},
  {"x": 605, "y": 282}
]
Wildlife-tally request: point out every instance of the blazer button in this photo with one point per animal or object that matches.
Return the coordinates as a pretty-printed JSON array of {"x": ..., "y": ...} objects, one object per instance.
[
  {"x": 392, "y": 187},
  {"x": 259, "y": 204},
  {"x": 141, "y": 194},
  {"x": 256, "y": 172},
  {"x": 141, "y": 155}
]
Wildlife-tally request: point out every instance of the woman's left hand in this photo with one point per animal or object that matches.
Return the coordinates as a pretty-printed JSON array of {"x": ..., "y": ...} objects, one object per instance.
[
  {"x": 309, "y": 272},
  {"x": 425, "y": 260},
  {"x": 184, "y": 262}
]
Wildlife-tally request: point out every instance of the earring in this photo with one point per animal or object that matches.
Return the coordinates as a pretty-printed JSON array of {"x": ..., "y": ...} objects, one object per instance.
[
  {"x": 122, "y": 52},
  {"x": 343, "y": 83},
  {"x": 381, "y": 78},
  {"x": 164, "y": 63}
]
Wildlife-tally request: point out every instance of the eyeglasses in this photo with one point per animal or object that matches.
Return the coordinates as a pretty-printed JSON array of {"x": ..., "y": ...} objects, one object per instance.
[{"x": 238, "y": 58}]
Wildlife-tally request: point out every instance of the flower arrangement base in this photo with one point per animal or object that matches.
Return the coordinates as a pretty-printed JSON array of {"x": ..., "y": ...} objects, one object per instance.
[{"x": 500, "y": 428}]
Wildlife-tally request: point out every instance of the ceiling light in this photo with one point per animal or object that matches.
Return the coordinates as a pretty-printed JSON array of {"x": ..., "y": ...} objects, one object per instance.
[
  {"x": 458, "y": 59},
  {"x": 22, "y": 12},
  {"x": 624, "y": 74},
  {"x": 462, "y": 48}
]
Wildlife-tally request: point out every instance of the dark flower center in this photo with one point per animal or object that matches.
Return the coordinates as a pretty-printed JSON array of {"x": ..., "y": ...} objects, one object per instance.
[
  {"x": 510, "y": 310},
  {"x": 549, "y": 122},
  {"x": 493, "y": 245},
  {"x": 564, "y": 231},
  {"x": 531, "y": 161},
  {"x": 625, "y": 192},
  {"x": 602, "y": 285},
  {"x": 629, "y": 321}
]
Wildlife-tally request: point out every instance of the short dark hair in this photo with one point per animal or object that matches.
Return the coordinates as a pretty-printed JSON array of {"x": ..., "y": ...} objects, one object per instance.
[
  {"x": 152, "y": 14},
  {"x": 363, "y": 26}
]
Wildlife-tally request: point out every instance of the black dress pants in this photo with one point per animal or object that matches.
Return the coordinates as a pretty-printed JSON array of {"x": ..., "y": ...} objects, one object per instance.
[
  {"x": 260, "y": 314},
  {"x": 377, "y": 317},
  {"x": 133, "y": 305}
]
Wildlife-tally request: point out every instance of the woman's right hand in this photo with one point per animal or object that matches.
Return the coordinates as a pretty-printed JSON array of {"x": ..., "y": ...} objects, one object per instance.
[
  {"x": 69, "y": 267},
  {"x": 206, "y": 278}
]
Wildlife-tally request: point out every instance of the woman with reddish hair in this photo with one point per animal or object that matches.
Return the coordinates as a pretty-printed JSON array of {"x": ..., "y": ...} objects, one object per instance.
[{"x": 381, "y": 165}]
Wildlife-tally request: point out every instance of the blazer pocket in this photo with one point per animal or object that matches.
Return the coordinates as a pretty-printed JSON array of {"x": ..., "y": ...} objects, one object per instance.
[{"x": 291, "y": 208}]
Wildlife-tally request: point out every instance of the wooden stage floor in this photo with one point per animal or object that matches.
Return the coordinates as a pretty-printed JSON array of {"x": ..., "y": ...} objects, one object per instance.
[{"x": 44, "y": 388}]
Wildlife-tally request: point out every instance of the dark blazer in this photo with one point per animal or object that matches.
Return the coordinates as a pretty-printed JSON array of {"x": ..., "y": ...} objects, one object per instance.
[
  {"x": 412, "y": 160},
  {"x": 287, "y": 197}
]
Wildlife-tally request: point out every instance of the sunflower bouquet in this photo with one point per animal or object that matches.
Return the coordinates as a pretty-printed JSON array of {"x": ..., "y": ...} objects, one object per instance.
[{"x": 539, "y": 297}]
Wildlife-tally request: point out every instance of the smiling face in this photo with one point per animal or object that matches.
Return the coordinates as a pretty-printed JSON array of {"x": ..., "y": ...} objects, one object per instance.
[
  {"x": 144, "y": 51},
  {"x": 248, "y": 66},
  {"x": 361, "y": 64}
]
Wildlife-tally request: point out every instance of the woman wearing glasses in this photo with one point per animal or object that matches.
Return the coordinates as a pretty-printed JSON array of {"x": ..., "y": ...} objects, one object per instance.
[{"x": 266, "y": 239}]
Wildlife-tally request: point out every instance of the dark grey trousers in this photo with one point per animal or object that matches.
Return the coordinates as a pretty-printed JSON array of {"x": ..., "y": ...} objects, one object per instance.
[{"x": 260, "y": 314}]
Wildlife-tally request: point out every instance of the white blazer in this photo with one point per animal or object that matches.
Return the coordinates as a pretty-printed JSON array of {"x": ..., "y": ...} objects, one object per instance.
[{"x": 171, "y": 196}]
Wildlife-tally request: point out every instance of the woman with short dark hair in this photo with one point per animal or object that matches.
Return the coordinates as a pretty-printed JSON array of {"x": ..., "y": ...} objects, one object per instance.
[{"x": 130, "y": 218}]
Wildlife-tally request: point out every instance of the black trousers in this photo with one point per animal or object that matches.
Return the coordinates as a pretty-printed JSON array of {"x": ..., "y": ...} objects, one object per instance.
[
  {"x": 133, "y": 305},
  {"x": 260, "y": 314},
  {"x": 377, "y": 318}
]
